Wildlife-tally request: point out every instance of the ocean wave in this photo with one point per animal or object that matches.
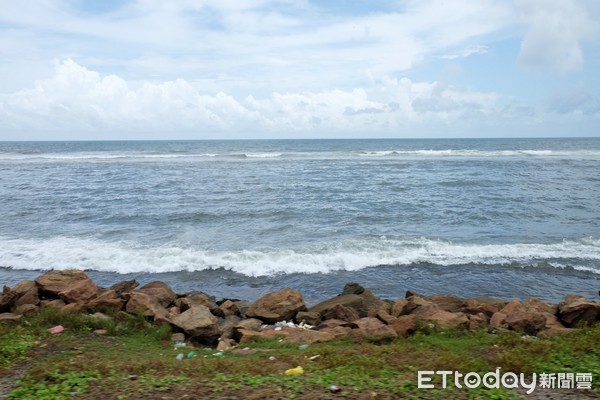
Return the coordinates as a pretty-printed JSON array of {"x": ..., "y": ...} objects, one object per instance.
[
  {"x": 351, "y": 255},
  {"x": 267, "y": 155}
]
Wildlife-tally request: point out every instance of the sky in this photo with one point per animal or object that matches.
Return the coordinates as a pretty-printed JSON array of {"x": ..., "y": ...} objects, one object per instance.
[{"x": 243, "y": 69}]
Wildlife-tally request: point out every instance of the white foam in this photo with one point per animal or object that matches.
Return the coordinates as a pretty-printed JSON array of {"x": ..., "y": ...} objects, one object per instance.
[
  {"x": 410, "y": 154},
  {"x": 127, "y": 257}
]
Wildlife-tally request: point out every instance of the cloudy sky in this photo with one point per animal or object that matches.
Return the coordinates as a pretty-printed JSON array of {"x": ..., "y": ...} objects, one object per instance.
[{"x": 195, "y": 69}]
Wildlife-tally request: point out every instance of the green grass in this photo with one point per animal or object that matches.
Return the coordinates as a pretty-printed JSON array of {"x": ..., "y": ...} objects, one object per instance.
[{"x": 137, "y": 360}]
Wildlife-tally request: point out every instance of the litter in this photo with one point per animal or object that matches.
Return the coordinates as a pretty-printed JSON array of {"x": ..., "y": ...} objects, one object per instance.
[
  {"x": 303, "y": 347},
  {"x": 191, "y": 354},
  {"x": 179, "y": 357},
  {"x": 314, "y": 357},
  {"x": 56, "y": 329},
  {"x": 334, "y": 389},
  {"x": 294, "y": 371}
]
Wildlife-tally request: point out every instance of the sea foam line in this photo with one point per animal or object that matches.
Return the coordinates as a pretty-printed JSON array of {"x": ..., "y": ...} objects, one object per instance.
[{"x": 127, "y": 257}]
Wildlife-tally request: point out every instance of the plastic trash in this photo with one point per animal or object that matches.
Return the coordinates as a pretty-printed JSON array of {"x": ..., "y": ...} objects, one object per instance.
[
  {"x": 314, "y": 357},
  {"x": 179, "y": 356},
  {"x": 219, "y": 354},
  {"x": 294, "y": 371},
  {"x": 303, "y": 347},
  {"x": 56, "y": 329},
  {"x": 191, "y": 354},
  {"x": 272, "y": 358},
  {"x": 179, "y": 344},
  {"x": 334, "y": 389}
]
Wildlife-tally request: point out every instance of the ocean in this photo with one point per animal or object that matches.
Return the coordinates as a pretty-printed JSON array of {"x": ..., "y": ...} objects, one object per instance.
[{"x": 506, "y": 218}]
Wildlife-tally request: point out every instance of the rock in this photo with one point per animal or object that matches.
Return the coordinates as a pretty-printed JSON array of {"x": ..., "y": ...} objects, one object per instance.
[
  {"x": 413, "y": 303},
  {"x": 27, "y": 309},
  {"x": 341, "y": 312},
  {"x": 353, "y": 288},
  {"x": 196, "y": 299},
  {"x": 553, "y": 327},
  {"x": 226, "y": 344},
  {"x": 362, "y": 304},
  {"x": 293, "y": 335},
  {"x": 7, "y": 299},
  {"x": 228, "y": 326},
  {"x": 277, "y": 306},
  {"x": 311, "y": 318},
  {"x": 247, "y": 335},
  {"x": 447, "y": 303},
  {"x": 124, "y": 286},
  {"x": 536, "y": 305},
  {"x": 251, "y": 324},
  {"x": 198, "y": 322},
  {"x": 29, "y": 297},
  {"x": 228, "y": 307},
  {"x": 477, "y": 321},
  {"x": 441, "y": 318},
  {"x": 144, "y": 304},
  {"x": 161, "y": 291},
  {"x": 58, "y": 303},
  {"x": 372, "y": 328},
  {"x": 518, "y": 317},
  {"x": 398, "y": 307},
  {"x": 384, "y": 317},
  {"x": 79, "y": 291},
  {"x": 578, "y": 311},
  {"x": 55, "y": 282},
  {"x": 337, "y": 332},
  {"x": 482, "y": 305},
  {"x": 108, "y": 300},
  {"x": 242, "y": 305},
  {"x": 405, "y": 325},
  {"x": 23, "y": 287},
  {"x": 332, "y": 323},
  {"x": 9, "y": 317}
]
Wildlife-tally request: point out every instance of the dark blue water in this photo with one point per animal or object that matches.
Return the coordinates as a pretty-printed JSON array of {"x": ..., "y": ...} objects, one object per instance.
[{"x": 495, "y": 217}]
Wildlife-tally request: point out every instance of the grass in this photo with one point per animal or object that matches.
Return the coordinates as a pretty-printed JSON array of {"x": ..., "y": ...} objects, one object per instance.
[{"x": 137, "y": 360}]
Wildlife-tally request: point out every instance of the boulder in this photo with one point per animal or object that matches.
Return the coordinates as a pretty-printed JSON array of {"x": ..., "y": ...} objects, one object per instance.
[
  {"x": 308, "y": 317},
  {"x": 398, "y": 307},
  {"x": 124, "y": 286},
  {"x": 57, "y": 304},
  {"x": 228, "y": 326},
  {"x": 228, "y": 308},
  {"x": 54, "y": 282},
  {"x": 413, "y": 303},
  {"x": 161, "y": 291},
  {"x": 352, "y": 288},
  {"x": 332, "y": 323},
  {"x": 26, "y": 309},
  {"x": 483, "y": 305},
  {"x": 29, "y": 297},
  {"x": 477, "y": 321},
  {"x": 198, "y": 322},
  {"x": 362, "y": 303},
  {"x": 447, "y": 303},
  {"x": 577, "y": 311},
  {"x": 144, "y": 304},
  {"x": 277, "y": 306},
  {"x": 196, "y": 299},
  {"x": 7, "y": 299},
  {"x": 405, "y": 325},
  {"x": 108, "y": 300},
  {"x": 519, "y": 317},
  {"x": 341, "y": 312},
  {"x": 373, "y": 328},
  {"x": 79, "y": 291},
  {"x": 293, "y": 335},
  {"x": 251, "y": 324},
  {"x": 441, "y": 318},
  {"x": 9, "y": 317}
]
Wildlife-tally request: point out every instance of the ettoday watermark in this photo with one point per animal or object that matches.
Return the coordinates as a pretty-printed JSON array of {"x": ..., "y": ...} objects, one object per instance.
[{"x": 508, "y": 380}]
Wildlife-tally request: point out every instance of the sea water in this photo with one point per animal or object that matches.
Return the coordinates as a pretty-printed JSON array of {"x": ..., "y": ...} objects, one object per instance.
[{"x": 467, "y": 217}]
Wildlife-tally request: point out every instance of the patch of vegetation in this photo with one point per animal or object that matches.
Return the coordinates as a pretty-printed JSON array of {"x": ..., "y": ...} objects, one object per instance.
[{"x": 136, "y": 359}]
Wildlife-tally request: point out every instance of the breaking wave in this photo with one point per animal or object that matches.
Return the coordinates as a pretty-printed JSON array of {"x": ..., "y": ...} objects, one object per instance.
[{"x": 127, "y": 257}]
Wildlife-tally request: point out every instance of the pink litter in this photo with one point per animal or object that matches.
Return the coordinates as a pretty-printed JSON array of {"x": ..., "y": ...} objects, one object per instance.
[{"x": 56, "y": 329}]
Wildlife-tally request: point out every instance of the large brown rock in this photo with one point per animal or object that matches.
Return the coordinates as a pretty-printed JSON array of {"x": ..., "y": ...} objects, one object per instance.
[
  {"x": 161, "y": 291},
  {"x": 124, "y": 286},
  {"x": 577, "y": 310},
  {"x": 144, "y": 304},
  {"x": 198, "y": 322},
  {"x": 485, "y": 306},
  {"x": 29, "y": 297},
  {"x": 277, "y": 306},
  {"x": 363, "y": 303},
  {"x": 54, "y": 282},
  {"x": 441, "y": 318},
  {"x": 107, "y": 300},
  {"x": 196, "y": 299},
  {"x": 9, "y": 317},
  {"x": 342, "y": 313},
  {"x": 447, "y": 303},
  {"x": 79, "y": 292},
  {"x": 405, "y": 325},
  {"x": 373, "y": 328},
  {"x": 7, "y": 299},
  {"x": 311, "y": 318},
  {"x": 289, "y": 335},
  {"x": 519, "y": 317}
]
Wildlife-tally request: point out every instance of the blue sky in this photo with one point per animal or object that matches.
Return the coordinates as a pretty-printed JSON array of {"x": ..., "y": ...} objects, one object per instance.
[{"x": 151, "y": 69}]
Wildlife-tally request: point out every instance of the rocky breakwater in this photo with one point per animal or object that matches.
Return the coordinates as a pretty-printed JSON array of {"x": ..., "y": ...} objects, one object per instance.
[{"x": 355, "y": 314}]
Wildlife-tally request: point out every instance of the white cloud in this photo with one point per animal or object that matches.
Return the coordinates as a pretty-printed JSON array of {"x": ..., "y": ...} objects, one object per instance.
[
  {"x": 76, "y": 99},
  {"x": 555, "y": 31}
]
